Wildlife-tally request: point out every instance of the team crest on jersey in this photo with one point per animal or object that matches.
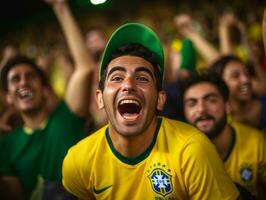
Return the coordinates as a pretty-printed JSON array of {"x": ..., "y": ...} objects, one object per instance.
[
  {"x": 160, "y": 180},
  {"x": 246, "y": 173}
]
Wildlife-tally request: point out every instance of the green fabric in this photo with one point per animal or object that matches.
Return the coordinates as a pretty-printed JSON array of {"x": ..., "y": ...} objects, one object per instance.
[
  {"x": 189, "y": 56},
  {"x": 134, "y": 33},
  {"x": 21, "y": 157},
  {"x": 139, "y": 158},
  {"x": 42, "y": 152}
]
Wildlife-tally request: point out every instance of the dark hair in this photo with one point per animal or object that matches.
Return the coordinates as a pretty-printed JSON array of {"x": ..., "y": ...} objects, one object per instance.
[
  {"x": 139, "y": 50},
  {"x": 219, "y": 65},
  {"x": 16, "y": 61},
  {"x": 209, "y": 77}
]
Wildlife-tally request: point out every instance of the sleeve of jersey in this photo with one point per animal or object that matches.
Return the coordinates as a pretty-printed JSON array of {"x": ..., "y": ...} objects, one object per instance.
[
  {"x": 262, "y": 167},
  {"x": 204, "y": 173},
  {"x": 72, "y": 180}
]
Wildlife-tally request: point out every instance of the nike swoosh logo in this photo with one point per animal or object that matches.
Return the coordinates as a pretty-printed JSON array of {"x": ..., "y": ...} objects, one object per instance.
[{"x": 100, "y": 190}]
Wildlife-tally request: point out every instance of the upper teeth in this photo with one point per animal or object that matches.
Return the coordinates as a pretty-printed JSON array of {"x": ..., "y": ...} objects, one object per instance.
[
  {"x": 129, "y": 101},
  {"x": 244, "y": 88},
  {"x": 24, "y": 93}
]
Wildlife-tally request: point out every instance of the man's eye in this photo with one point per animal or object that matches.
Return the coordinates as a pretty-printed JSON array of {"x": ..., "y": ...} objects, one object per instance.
[
  {"x": 190, "y": 104},
  {"x": 235, "y": 75},
  {"x": 116, "y": 78},
  {"x": 15, "y": 79},
  {"x": 142, "y": 79},
  {"x": 212, "y": 100}
]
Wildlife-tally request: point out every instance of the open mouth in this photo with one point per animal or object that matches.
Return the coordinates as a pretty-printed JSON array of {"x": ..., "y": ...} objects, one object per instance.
[
  {"x": 244, "y": 89},
  {"x": 25, "y": 94},
  {"x": 203, "y": 120},
  {"x": 129, "y": 109}
]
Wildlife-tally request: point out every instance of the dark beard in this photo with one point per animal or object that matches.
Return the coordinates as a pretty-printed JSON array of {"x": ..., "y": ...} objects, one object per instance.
[{"x": 219, "y": 126}]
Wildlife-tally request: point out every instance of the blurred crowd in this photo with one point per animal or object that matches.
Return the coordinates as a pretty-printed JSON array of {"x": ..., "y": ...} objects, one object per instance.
[
  {"x": 223, "y": 40},
  {"x": 193, "y": 40}
]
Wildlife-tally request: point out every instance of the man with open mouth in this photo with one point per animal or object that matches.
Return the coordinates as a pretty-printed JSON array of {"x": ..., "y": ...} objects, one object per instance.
[
  {"x": 139, "y": 155},
  {"x": 31, "y": 156}
]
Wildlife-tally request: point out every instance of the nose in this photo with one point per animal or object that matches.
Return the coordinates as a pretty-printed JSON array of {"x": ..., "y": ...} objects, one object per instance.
[
  {"x": 245, "y": 78},
  {"x": 129, "y": 84},
  {"x": 201, "y": 107},
  {"x": 23, "y": 80}
]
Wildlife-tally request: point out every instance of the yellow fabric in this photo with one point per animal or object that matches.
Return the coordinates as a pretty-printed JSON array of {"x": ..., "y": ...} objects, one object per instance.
[
  {"x": 255, "y": 32},
  {"x": 247, "y": 162},
  {"x": 58, "y": 81},
  {"x": 29, "y": 130},
  {"x": 183, "y": 164},
  {"x": 241, "y": 52},
  {"x": 176, "y": 45}
]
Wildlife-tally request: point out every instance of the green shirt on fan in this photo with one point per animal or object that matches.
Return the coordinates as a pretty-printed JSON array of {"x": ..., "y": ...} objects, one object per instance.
[{"x": 36, "y": 156}]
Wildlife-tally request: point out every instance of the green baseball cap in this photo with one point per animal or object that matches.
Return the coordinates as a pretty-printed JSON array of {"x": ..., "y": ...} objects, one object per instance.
[{"x": 133, "y": 33}]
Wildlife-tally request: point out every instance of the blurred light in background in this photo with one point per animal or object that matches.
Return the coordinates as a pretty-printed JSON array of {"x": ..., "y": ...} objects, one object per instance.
[{"x": 97, "y": 2}]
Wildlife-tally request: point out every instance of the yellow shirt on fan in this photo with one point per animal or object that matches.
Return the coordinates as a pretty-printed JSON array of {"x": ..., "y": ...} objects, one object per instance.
[
  {"x": 246, "y": 163},
  {"x": 180, "y": 163}
]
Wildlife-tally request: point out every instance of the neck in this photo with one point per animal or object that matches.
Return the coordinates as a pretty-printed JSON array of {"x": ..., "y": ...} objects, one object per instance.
[
  {"x": 34, "y": 119},
  {"x": 223, "y": 141},
  {"x": 133, "y": 146}
]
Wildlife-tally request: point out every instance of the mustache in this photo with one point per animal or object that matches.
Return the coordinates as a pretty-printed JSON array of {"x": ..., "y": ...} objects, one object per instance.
[{"x": 203, "y": 117}]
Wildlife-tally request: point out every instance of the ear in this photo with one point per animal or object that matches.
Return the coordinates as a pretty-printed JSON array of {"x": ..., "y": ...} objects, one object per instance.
[
  {"x": 161, "y": 100},
  {"x": 99, "y": 99}
]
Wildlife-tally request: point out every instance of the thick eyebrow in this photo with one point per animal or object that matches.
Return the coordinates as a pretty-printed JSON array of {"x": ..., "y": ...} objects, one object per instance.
[
  {"x": 144, "y": 69},
  {"x": 117, "y": 68},
  {"x": 212, "y": 94},
  {"x": 189, "y": 99},
  {"x": 123, "y": 69}
]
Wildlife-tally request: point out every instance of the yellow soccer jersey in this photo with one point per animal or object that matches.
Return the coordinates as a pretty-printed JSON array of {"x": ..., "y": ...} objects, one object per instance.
[
  {"x": 246, "y": 163},
  {"x": 181, "y": 163}
]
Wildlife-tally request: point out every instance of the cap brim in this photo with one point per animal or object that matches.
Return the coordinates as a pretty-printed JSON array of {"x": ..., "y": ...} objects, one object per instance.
[{"x": 133, "y": 33}]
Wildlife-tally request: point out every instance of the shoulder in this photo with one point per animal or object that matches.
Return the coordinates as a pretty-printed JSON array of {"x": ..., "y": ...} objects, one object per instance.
[
  {"x": 78, "y": 163},
  {"x": 196, "y": 159},
  {"x": 180, "y": 131},
  {"x": 183, "y": 139},
  {"x": 178, "y": 127},
  {"x": 249, "y": 136},
  {"x": 62, "y": 111},
  {"x": 247, "y": 132},
  {"x": 61, "y": 107},
  {"x": 91, "y": 141},
  {"x": 86, "y": 148},
  {"x": 13, "y": 135}
]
